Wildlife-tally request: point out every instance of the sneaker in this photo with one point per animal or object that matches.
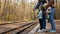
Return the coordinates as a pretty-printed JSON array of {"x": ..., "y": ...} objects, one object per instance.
[
  {"x": 52, "y": 31},
  {"x": 44, "y": 29},
  {"x": 40, "y": 30}
]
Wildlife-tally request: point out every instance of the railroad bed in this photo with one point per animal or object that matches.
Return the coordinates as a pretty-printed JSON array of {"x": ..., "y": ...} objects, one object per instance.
[
  {"x": 17, "y": 28},
  {"x": 27, "y": 28}
]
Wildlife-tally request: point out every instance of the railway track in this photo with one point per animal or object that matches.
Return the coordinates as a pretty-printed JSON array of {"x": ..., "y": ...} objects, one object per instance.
[
  {"x": 21, "y": 29},
  {"x": 26, "y": 28}
]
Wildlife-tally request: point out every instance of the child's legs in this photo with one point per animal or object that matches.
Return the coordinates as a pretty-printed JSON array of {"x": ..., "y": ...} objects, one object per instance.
[
  {"x": 41, "y": 24},
  {"x": 44, "y": 22}
]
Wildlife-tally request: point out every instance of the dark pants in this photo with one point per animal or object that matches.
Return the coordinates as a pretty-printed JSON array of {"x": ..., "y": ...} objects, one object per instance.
[
  {"x": 41, "y": 24},
  {"x": 44, "y": 21}
]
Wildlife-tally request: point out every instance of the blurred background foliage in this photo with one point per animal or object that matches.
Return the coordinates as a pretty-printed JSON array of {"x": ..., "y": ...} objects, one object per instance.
[{"x": 22, "y": 10}]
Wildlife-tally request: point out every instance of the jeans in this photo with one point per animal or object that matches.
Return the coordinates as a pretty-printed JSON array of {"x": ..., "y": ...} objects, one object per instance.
[
  {"x": 44, "y": 21},
  {"x": 51, "y": 17}
]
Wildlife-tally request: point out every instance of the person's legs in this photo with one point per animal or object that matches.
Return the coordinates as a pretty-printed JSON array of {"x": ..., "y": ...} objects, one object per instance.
[
  {"x": 41, "y": 24},
  {"x": 51, "y": 16},
  {"x": 44, "y": 22}
]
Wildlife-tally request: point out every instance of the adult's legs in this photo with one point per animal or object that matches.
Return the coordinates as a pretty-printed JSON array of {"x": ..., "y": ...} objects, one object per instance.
[{"x": 51, "y": 16}]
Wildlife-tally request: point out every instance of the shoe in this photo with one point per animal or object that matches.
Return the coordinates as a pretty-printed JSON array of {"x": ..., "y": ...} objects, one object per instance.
[
  {"x": 40, "y": 30},
  {"x": 52, "y": 31},
  {"x": 44, "y": 29}
]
